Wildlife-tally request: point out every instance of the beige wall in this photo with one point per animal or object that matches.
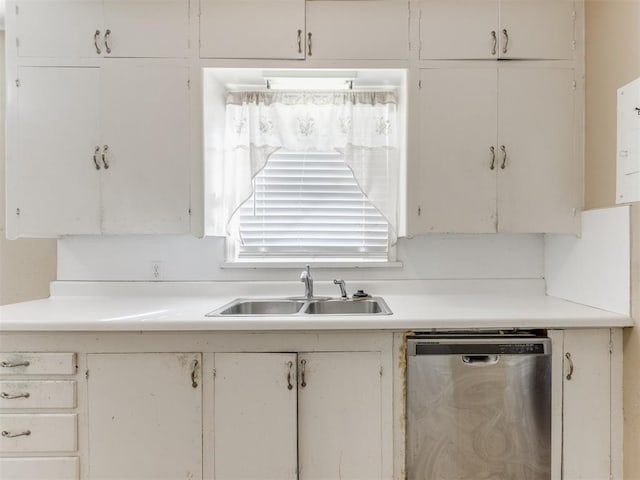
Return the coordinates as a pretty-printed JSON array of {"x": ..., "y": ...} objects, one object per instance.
[
  {"x": 612, "y": 60},
  {"x": 26, "y": 266}
]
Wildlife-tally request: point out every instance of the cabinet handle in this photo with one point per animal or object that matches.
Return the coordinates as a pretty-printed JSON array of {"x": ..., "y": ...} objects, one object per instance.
[
  {"x": 309, "y": 43},
  {"x": 299, "y": 41},
  {"x": 6, "y": 434},
  {"x": 107, "y": 37},
  {"x": 504, "y": 157},
  {"x": 96, "y": 38},
  {"x": 570, "y": 360},
  {"x": 303, "y": 364},
  {"x": 493, "y": 158},
  {"x": 13, "y": 396},
  {"x": 506, "y": 40},
  {"x": 23, "y": 363},
  {"x": 194, "y": 373},
  {"x": 494, "y": 37},
  {"x": 105, "y": 150},
  {"x": 290, "y": 365},
  {"x": 95, "y": 157}
]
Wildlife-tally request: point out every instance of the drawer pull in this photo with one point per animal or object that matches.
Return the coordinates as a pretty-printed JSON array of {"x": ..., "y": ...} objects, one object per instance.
[
  {"x": 6, "y": 434},
  {"x": 14, "y": 364},
  {"x": 11, "y": 396}
]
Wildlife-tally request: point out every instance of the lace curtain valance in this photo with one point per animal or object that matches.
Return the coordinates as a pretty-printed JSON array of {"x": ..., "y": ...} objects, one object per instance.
[{"x": 362, "y": 126}]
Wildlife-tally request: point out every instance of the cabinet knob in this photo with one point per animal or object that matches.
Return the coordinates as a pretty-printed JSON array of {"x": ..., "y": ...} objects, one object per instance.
[
  {"x": 13, "y": 396},
  {"x": 504, "y": 157},
  {"x": 570, "y": 360},
  {"x": 6, "y": 434},
  {"x": 107, "y": 37},
  {"x": 494, "y": 37},
  {"x": 309, "y": 44},
  {"x": 96, "y": 38},
  {"x": 105, "y": 150},
  {"x": 505, "y": 34},
  {"x": 23, "y": 363},
  {"x": 493, "y": 157},
  {"x": 299, "y": 41},
  {"x": 95, "y": 157},
  {"x": 289, "y": 385}
]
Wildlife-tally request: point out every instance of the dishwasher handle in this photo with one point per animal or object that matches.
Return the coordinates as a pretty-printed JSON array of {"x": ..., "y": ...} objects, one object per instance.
[{"x": 480, "y": 360}]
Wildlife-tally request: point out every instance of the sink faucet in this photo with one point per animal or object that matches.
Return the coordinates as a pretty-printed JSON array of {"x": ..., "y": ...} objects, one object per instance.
[
  {"x": 343, "y": 290},
  {"x": 307, "y": 279}
]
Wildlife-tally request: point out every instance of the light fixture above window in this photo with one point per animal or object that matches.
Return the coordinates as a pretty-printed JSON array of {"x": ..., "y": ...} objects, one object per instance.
[{"x": 309, "y": 79}]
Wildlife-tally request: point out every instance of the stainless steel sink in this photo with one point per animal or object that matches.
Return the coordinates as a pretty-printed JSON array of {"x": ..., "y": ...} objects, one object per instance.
[
  {"x": 275, "y": 307},
  {"x": 365, "y": 306},
  {"x": 250, "y": 307}
]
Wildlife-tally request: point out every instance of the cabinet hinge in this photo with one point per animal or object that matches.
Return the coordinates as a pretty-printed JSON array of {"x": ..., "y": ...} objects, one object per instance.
[
  {"x": 18, "y": 212},
  {"x": 17, "y": 82},
  {"x": 86, "y": 374},
  {"x": 610, "y": 346},
  {"x": 214, "y": 373},
  {"x": 189, "y": 84},
  {"x": 189, "y": 212},
  {"x": 419, "y": 210},
  {"x": 419, "y": 84},
  {"x": 381, "y": 370}
]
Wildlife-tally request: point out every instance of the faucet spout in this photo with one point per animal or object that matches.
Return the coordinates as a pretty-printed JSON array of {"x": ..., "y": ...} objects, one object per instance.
[{"x": 307, "y": 279}]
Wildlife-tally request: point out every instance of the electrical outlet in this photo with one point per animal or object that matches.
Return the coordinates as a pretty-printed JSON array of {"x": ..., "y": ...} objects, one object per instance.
[{"x": 156, "y": 270}]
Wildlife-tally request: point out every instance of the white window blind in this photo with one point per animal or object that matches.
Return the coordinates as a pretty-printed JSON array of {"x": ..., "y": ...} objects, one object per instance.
[{"x": 310, "y": 205}]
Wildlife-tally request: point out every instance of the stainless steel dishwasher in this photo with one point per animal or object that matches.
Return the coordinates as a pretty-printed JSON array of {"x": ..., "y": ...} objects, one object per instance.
[{"x": 479, "y": 407}]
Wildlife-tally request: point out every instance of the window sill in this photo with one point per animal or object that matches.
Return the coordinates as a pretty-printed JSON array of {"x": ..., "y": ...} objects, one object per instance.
[{"x": 315, "y": 264}]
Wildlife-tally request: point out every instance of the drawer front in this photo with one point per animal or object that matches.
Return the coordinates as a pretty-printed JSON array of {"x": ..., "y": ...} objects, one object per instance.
[
  {"x": 30, "y": 363},
  {"x": 30, "y": 468},
  {"x": 37, "y": 394},
  {"x": 38, "y": 433}
]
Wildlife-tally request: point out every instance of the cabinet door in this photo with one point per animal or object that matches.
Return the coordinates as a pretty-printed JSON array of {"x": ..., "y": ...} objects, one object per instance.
[
  {"x": 146, "y": 129},
  {"x": 147, "y": 28},
  {"x": 586, "y": 405},
  {"x": 349, "y": 30},
  {"x": 58, "y": 28},
  {"x": 458, "y": 121},
  {"x": 537, "y": 29},
  {"x": 458, "y": 29},
  {"x": 252, "y": 29},
  {"x": 339, "y": 416},
  {"x": 145, "y": 416},
  {"x": 540, "y": 188},
  {"x": 58, "y": 185},
  {"x": 255, "y": 401}
]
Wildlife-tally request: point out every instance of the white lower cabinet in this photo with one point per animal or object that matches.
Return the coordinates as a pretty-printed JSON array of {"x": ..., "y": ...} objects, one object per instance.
[
  {"x": 312, "y": 416},
  {"x": 145, "y": 416},
  {"x": 591, "y": 416}
]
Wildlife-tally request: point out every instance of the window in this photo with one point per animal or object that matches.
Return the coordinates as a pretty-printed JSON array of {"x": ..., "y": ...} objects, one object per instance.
[{"x": 309, "y": 205}]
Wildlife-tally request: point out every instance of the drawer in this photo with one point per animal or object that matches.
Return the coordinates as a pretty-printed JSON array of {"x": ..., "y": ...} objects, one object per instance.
[
  {"x": 39, "y": 432},
  {"x": 30, "y": 468},
  {"x": 30, "y": 363},
  {"x": 37, "y": 394}
]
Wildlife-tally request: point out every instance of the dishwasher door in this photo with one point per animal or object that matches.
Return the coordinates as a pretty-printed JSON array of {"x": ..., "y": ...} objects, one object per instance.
[{"x": 479, "y": 408}]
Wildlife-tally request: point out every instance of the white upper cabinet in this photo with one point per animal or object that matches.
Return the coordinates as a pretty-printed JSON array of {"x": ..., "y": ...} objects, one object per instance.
[
  {"x": 103, "y": 28},
  {"x": 145, "y": 133},
  {"x": 55, "y": 186},
  {"x": 540, "y": 188},
  {"x": 458, "y": 133},
  {"x": 492, "y": 29},
  {"x": 100, "y": 150},
  {"x": 352, "y": 30},
  {"x": 289, "y": 29},
  {"x": 252, "y": 29},
  {"x": 497, "y": 151}
]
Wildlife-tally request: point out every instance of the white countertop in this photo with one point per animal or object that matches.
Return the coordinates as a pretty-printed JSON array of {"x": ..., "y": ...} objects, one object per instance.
[{"x": 416, "y": 305}]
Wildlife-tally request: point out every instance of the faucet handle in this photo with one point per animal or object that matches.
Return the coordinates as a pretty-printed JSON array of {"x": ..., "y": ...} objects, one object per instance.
[{"x": 343, "y": 290}]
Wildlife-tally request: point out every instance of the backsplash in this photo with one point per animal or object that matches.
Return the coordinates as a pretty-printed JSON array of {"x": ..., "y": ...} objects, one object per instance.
[{"x": 184, "y": 258}]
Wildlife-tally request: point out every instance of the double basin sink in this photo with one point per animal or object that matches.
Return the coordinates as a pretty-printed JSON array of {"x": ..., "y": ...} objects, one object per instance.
[{"x": 272, "y": 307}]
